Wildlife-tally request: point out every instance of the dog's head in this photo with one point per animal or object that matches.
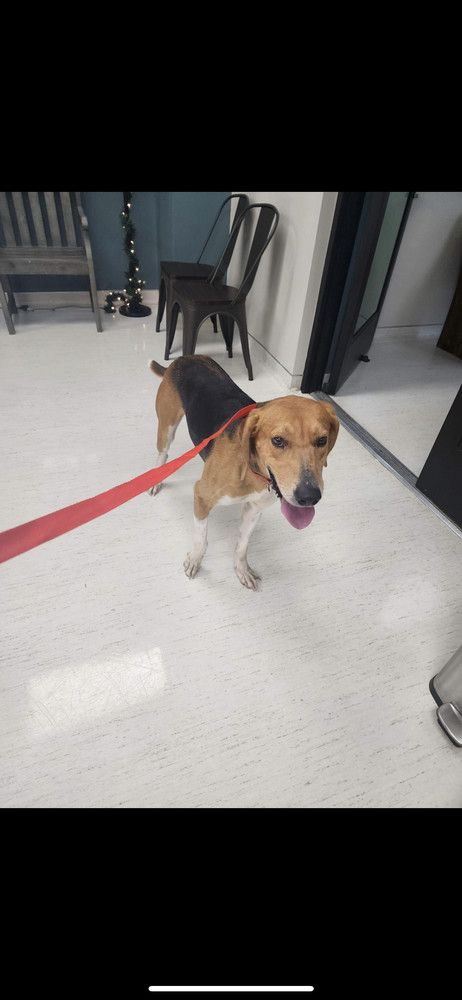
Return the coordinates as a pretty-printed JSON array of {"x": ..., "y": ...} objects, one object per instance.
[{"x": 289, "y": 440}]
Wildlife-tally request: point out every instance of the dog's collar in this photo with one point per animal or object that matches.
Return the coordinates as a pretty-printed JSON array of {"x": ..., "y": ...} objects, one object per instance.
[{"x": 265, "y": 478}]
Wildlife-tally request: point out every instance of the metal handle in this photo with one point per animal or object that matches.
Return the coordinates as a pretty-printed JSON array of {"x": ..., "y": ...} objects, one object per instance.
[
  {"x": 446, "y": 689},
  {"x": 450, "y": 720}
]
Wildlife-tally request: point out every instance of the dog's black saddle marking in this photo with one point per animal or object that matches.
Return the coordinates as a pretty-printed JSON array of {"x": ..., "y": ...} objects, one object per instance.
[{"x": 209, "y": 397}]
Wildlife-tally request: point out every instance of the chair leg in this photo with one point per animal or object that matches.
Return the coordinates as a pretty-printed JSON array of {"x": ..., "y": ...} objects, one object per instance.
[
  {"x": 6, "y": 311},
  {"x": 161, "y": 304},
  {"x": 214, "y": 323},
  {"x": 242, "y": 324},
  {"x": 227, "y": 329},
  {"x": 190, "y": 332},
  {"x": 172, "y": 316}
]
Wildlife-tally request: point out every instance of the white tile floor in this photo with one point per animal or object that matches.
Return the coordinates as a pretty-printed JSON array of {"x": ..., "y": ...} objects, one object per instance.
[
  {"x": 126, "y": 684},
  {"x": 403, "y": 395}
]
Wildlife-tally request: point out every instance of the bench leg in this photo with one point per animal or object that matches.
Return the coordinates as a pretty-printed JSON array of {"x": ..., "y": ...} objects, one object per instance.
[{"x": 6, "y": 310}]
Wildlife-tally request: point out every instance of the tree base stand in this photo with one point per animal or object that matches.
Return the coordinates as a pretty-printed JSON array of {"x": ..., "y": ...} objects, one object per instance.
[{"x": 135, "y": 311}]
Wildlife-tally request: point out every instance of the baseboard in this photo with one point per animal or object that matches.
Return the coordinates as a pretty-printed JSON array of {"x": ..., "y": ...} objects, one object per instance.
[
  {"x": 53, "y": 300},
  {"x": 260, "y": 355},
  {"x": 57, "y": 300}
]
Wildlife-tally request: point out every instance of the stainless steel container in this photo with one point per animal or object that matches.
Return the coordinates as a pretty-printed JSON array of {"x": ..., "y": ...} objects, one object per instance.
[{"x": 446, "y": 688}]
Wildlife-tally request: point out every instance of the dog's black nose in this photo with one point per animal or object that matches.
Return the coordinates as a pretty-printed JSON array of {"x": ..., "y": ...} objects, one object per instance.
[{"x": 307, "y": 495}]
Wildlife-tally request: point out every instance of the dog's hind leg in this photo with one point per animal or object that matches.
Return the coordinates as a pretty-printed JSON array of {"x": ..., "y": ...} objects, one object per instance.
[{"x": 169, "y": 412}]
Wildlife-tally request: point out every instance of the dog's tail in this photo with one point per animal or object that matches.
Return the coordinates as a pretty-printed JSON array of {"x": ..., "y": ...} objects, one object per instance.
[{"x": 157, "y": 369}]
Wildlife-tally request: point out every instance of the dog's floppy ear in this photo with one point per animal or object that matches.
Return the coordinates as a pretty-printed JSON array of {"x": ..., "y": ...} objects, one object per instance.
[
  {"x": 334, "y": 425},
  {"x": 247, "y": 433}
]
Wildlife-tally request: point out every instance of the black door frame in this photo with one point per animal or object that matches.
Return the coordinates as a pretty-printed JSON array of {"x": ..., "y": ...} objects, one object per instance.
[
  {"x": 345, "y": 225},
  {"x": 442, "y": 497},
  {"x": 340, "y": 248},
  {"x": 441, "y": 477}
]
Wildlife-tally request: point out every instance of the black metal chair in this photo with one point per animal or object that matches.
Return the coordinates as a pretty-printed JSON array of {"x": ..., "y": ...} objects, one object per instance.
[
  {"x": 200, "y": 299},
  {"x": 170, "y": 270}
]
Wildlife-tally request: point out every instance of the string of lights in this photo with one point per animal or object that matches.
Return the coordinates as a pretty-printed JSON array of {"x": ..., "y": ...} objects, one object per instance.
[{"x": 111, "y": 298}]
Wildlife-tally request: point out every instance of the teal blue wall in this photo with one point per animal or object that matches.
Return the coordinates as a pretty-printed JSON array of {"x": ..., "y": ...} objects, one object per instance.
[{"x": 170, "y": 225}]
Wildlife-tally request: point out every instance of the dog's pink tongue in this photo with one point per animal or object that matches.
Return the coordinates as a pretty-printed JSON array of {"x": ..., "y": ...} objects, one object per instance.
[{"x": 298, "y": 517}]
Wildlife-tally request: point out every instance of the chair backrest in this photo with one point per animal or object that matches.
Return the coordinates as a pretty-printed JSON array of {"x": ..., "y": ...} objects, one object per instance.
[
  {"x": 40, "y": 219},
  {"x": 265, "y": 229},
  {"x": 225, "y": 258}
]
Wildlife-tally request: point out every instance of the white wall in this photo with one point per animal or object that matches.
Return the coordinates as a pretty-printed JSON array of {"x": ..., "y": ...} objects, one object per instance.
[
  {"x": 428, "y": 263},
  {"x": 282, "y": 301}
]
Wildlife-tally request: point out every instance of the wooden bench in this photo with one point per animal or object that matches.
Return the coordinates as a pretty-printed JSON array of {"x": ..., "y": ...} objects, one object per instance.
[{"x": 43, "y": 233}]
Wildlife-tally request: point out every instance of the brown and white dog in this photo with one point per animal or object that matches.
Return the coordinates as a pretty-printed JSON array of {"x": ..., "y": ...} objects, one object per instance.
[{"x": 278, "y": 450}]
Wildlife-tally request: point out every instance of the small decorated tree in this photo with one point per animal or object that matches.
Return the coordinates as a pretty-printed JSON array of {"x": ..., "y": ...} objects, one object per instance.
[{"x": 133, "y": 292}]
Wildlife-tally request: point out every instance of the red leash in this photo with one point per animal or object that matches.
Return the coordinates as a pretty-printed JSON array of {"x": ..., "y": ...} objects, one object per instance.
[{"x": 27, "y": 536}]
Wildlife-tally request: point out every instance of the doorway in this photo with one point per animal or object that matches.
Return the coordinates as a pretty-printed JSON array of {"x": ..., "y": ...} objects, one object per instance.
[{"x": 396, "y": 386}]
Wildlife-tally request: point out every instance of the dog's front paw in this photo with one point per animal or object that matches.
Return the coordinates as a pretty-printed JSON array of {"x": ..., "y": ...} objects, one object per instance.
[
  {"x": 246, "y": 575},
  {"x": 192, "y": 564},
  {"x": 154, "y": 490}
]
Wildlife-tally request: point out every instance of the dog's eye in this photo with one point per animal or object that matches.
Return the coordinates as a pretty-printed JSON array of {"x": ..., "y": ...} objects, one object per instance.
[
  {"x": 321, "y": 441},
  {"x": 278, "y": 442}
]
